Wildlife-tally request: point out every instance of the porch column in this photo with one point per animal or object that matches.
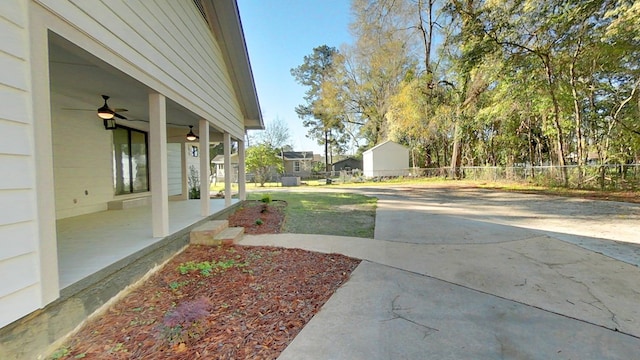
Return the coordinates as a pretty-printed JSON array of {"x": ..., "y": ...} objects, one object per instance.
[
  {"x": 205, "y": 167},
  {"x": 44, "y": 202},
  {"x": 242, "y": 174},
  {"x": 227, "y": 169},
  {"x": 158, "y": 164}
]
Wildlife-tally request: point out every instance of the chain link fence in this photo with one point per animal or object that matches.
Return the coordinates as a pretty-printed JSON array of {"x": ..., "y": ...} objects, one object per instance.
[{"x": 610, "y": 177}]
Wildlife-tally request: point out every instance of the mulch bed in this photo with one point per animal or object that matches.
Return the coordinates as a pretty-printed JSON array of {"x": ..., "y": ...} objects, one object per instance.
[
  {"x": 231, "y": 302},
  {"x": 260, "y": 218}
]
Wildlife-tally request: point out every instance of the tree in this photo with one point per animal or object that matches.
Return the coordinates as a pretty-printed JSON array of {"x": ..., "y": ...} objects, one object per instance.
[
  {"x": 262, "y": 160},
  {"x": 276, "y": 135},
  {"x": 312, "y": 73}
]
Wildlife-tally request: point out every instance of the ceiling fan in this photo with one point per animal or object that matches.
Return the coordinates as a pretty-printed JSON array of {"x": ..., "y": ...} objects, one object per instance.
[{"x": 105, "y": 112}]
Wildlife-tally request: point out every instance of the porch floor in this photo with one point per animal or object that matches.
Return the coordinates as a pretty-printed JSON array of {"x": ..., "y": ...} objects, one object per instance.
[{"x": 89, "y": 243}]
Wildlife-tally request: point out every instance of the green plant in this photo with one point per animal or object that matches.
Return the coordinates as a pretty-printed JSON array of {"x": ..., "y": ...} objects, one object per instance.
[
  {"x": 60, "y": 353},
  {"x": 266, "y": 198},
  {"x": 175, "y": 285},
  {"x": 207, "y": 268},
  {"x": 259, "y": 222}
]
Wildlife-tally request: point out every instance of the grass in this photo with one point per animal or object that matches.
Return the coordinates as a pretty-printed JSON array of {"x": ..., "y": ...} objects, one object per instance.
[{"x": 343, "y": 214}]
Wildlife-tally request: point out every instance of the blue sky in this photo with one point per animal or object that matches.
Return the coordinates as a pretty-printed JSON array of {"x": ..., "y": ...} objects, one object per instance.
[{"x": 279, "y": 33}]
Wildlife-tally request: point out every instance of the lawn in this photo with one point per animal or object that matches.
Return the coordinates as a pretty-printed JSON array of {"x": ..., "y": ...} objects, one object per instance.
[{"x": 339, "y": 213}]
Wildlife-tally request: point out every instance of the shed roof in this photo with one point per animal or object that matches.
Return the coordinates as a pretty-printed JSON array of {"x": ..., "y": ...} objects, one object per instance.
[
  {"x": 388, "y": 142},
  {"x": 298, "y": 155}
]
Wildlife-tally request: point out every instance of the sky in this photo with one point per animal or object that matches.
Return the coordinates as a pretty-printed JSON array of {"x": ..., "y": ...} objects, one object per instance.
[{"x": 278, "y": 34}]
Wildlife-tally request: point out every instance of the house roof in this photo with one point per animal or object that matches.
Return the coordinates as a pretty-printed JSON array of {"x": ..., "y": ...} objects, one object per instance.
[
  {"x": 388, "y": 142},
  {"x": 224, "y": 19},
  {"x": 219, "y": 159},
  {"x": 347, "y": 159},
  {"x": 298, "y": 155}
]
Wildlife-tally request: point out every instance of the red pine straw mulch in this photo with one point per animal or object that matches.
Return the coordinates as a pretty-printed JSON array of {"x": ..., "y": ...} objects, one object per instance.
[
  {"x": 230, "y": 302},
  {"x": 271, "y": 217}
]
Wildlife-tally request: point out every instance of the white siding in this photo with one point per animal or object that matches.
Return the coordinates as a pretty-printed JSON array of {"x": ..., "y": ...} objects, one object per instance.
[
  {"x": 174, "y": 168},
  {"x": 386, "y": 159},
  {"x": 19, "y": 267},
  {"x": 367, "y": 163},
  {"x": 171, "y": 43},
  {"x": 83, "y": 163}
]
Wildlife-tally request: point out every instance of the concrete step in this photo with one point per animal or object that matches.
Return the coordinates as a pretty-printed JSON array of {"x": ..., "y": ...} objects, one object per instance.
[
  {"x": 230, "y": 235},
  {"x": 205, "y": 233}
]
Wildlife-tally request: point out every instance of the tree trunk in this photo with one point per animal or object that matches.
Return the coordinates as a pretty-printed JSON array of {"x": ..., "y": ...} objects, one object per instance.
[
  {"x": 326, "y": 151},
  {"x": 456, "y": 153},
  {"x": 556, "y": 121},
  {"x": 578, "y": 118}
]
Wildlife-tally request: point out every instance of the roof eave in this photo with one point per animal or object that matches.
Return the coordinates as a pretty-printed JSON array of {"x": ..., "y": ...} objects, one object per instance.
[{"x": 224, "y": 20}]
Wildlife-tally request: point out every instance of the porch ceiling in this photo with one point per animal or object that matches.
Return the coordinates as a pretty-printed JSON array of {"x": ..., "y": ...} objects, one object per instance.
[{"x": 78, "y": 79}]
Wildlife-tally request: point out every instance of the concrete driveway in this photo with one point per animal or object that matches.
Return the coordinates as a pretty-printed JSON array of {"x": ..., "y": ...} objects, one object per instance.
[{"x": 475, "y": 274}]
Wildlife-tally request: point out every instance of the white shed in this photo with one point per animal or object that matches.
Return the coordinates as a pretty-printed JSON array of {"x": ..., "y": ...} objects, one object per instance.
[{"x": 386, "y": 159}]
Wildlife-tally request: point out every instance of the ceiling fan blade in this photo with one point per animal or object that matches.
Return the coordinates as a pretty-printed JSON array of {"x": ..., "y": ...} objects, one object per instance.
[
  {"x": 119, "y": 116},
  {"x": 76, "y": 109},
  {"x": 119, "y": 110}
]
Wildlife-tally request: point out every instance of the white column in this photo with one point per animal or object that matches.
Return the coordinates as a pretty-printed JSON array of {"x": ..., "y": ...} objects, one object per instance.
[
  {"x": 205, "y": 166},
  {"x": 43, "y": 159},
  {"x": 242, "y": 174},
  {"x": 227, "y": 169},
  {"x": 158, "y": 164}
]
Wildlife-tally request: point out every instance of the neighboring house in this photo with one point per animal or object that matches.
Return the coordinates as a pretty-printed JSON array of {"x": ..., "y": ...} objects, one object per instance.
[
  {"x": 297, "y": 163},
  {"x": 219, "y": 170},
  {"x": 349, "y": 163},
  {"x": 171, "y": 64},
  {"x": 386, "y": 159}
]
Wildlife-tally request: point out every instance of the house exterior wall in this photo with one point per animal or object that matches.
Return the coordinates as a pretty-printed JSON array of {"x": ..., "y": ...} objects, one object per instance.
[
  {"x": 174, "y": 168},
  {"x": 165, "y": 44},
  {"x": 150, "y": 42},
  {"x": 19, "y": 247},
  {"x": 349, "y": 163},
  {"x": 386, "y": 159},
  {"x": 367, "y": 163},
  {"x": 82, "y": 163},
  {"x": 304, "y": 169}
]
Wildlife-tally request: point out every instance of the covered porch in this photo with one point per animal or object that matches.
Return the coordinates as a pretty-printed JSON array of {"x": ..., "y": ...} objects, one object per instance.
[
  {"x": 145, "y": 158},
  {"x": 92, "y": 242}
]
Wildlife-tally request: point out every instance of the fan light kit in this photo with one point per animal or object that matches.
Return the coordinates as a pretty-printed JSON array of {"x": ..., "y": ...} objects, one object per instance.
[
  {"x": 105, "y": 112},
  {"x": 190, "y": 135},
  {"x": 108, "y": 115}
]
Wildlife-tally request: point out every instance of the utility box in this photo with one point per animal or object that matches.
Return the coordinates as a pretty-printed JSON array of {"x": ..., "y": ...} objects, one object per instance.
[{"x": 290, "y": 181}]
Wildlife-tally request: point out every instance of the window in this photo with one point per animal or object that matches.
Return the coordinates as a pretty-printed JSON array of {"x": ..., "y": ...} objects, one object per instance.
[
  {"x": 296, "y": 166},
  {"x": 130, "y": 168},
  {"x": 194, "y": 151}
]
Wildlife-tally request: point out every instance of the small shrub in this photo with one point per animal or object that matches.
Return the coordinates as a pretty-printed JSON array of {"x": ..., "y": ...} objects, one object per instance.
[
  {"x": 259, "y": 222},
  {"x": 208, "y": 268},
  {"x": 266, "y": 198},
  {"x": 185, "y": 322}
]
